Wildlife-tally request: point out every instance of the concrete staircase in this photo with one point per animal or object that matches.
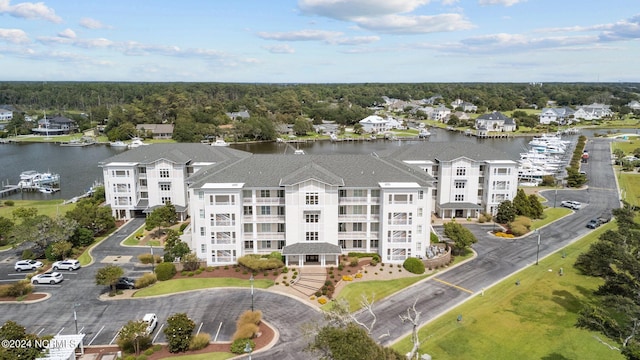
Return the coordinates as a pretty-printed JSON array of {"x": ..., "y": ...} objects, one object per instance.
[{"x": 310, "y": 279}]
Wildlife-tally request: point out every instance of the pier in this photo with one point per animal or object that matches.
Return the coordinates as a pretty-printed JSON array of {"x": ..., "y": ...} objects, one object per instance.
[{"x": 9, "y": 190}]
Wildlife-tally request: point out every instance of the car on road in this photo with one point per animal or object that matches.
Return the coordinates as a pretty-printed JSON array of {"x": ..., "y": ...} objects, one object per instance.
[
  {"x": 68, "y": 264},
  {"x": 604, "y": 218},
  {"x": 574, "y": 205},
  {"x": 151, "y": 320},
  {"x": 47, "y": 278},
  {"x": 27, "y": 265},
  {"x": 593, "y": 223},
  {"x": 126, "y": 283}
]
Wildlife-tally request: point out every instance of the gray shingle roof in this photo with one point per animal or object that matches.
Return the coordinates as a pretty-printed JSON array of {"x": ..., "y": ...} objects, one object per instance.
[
  {"x": 446, "y": 151},
  {"x": 496, "y": 115},
  {"x": 183, "y": 153},
  {"x": 273, "y": 170},
  {"x": 311, "y": 248}
]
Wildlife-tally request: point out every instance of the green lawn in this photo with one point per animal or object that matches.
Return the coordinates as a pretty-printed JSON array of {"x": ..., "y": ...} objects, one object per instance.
[
  {"x": 50, "y": 208},
  {"x": 179, "y": 285},
  {"x": 626, "y": 146},
  {"x": 551, "y": 215},
  {"x": 534, "y": 320},
  {"x": 630, "y": 187}
]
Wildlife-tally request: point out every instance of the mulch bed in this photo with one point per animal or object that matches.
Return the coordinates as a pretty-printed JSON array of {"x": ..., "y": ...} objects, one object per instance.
[
  {"x": 29, "y": 297},
  {"x": 236, "y": 272}
]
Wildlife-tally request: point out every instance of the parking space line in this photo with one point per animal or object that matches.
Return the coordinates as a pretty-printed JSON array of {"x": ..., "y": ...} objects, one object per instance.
[
  {"x": 218, "y": 332},
  {"x": 452, "y": 285},
  {"x": 80, "y": 331},
  {"x": 60, "y": 331},
  {"x": 114, "y": 338},
  {"x": 40, "y": 332},
  {"x": 9, "y": 280},
  {"x": 199, "y": 328},
  {"x": 98, "y": 333},
  {"x": 15, "y": 274},
  {"x": 157, "y": 333}
]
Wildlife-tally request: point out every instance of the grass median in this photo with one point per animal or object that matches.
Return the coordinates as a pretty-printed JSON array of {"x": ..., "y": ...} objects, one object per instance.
[
  {"x": 533, "y": 320},
  {"x": 180, "y": 285}
]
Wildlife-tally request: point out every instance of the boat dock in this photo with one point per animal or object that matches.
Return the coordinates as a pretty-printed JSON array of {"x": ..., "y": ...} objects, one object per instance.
[{"x": 14, "y": 189}]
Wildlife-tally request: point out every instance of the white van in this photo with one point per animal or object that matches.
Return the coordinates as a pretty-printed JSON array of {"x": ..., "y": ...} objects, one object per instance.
[{"x": 151, "y": 320}]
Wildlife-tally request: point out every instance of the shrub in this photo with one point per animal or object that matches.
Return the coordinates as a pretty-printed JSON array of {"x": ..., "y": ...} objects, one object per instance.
[
  {"x": 179, "y": 332},
  {"x": 148, "y": 352},
  {"x": 145, "y": 258},
  {"x": 142, "y": 357},
  {"x": 250, "y": 317},
  {"x": 21, "y": 288},
  {"x": 358, "y": 275},
  {"x": 165, "y": 271},
  {"x": 518, "y": 229},
  {"x": 237, "y": 347},
  {"x": 414, "y": 265},
  {"x": 318, "y": 293},
  {"x": 257, "y": 263},
  {"x": 374, "y": 262},
  {"x": 347, "y": 278},
  {"x": 28, "y": 254},
  {"x": 146, "y": 280},
  {"x": 322, "y": 301},
  {"x": 183, "y": 226},
  {"x": 353, "y": 262},
  {"x": 199, "y": 341},
  {"x": 9, "y": 203},
  {"x": 246, "y": 331}
]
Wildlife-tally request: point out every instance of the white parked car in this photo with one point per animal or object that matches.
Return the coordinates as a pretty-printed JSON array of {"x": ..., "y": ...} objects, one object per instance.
[
  {"x": 575, "y": 205},
  {"x": 27, "y": 265},
  {"x": 151, "y": 320},
  {"x": 68, "y": 264},
  {"x": 47, "y": 278}
]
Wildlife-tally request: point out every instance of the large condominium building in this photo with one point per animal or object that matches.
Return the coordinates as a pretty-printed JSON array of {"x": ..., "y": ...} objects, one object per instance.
[
  {"x": 138, "y": 180},
  {"x": 312, "y": 208},
  {"x": 470, "y": 178}
]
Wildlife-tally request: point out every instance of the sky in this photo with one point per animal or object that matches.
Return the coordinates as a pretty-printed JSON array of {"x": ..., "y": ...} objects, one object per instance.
[{"x": 320, "y": 41}]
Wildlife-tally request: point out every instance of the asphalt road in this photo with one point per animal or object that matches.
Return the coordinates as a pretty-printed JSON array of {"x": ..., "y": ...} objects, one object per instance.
[
  {"x": 216, "y": 310},
  {"x": 499, "y": 258}
]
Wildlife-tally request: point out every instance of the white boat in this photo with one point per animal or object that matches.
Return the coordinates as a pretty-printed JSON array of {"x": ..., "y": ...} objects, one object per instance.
[
  {"x": 220, "y": 142},
  {"x": 333, "y": 137},
  {"x": 118, "y": 144},
  {"x": 136, "y": 142},
  {"x": 31, "y": 179},
  {"x": 47, "y": 190},
  {"x": 299, "y": 152},
  {"x": 424, "y": 133}
]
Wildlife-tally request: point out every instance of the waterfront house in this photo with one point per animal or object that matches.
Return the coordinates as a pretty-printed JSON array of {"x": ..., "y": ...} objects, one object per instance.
[
  {"x": 156, "y": 131},
  {"x": 5, "y": 115},
  {"x": 58, "y": 125},
  {"x": 495, "y": 121},
  {"x": 440, "y": 113},
  {"x": 562, "y": 115},
  {"x": 374, "y": 124},
  {"x": 634, "y": 105},
  {"x": 464, "y": 105},
  {"x": 594, "y": 111}
]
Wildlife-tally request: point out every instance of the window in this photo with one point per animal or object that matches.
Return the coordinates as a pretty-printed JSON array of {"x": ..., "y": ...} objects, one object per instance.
[
  {"x": 203, "y": 248},
  {"x": 375, "y": 209},
  {"x": 165, "y": 187},
  {"x": 201, "y": 213},
  {"x": 200, "y": 195},
  {"x": 357, "y": 243},
  {"x": 247, "y": 210},
  {"x": 359, "y": 193},
  {"x": 142, "y": 170},
  {"x": 265, "y": 210},
  {"x": 264, "y": 228},
  {"x": 280, "y": 228},
  {"x": 375, "y": 193},
  {"x": 357, "y": 226},
  {"x": 281, "y": 244},
  {"x": 342, "y": 193},
  {"x": 311, "y": 236},
  {"x": 342, "y": 227},
  {"x": 246, "y": 194},
  {"x": 460, "y": 184},
  {"x": 461, "y": 171},
  {"x": 375, "y": 226},
  {"x": 281, "y": 210},
  {"x": 164, "y": 173},
  {"x": 120, "y": 173},
  {"x": 419, "y": 229},
  {"x": 459, "y": 197},
  {"x": 342, "y": 210},
  {"x": 265, "y": 193},
  {"x": 203, "y": 231},
  {"x": 143, "y": 182},
  {"x": 501, "y": 171},
  {"x": 165, "y": 199},
  {"x": 248, "y": 228},
  {"x": 420, "y": 195},
  {"x": 342, "y": 244},
  {"x": 281, "y": 193},
  {"x": 312, "y": 218},
  {"x": 359, "y": 209},
  {"x": 222, "y": 200},
  {"x": 311, "y": 199},
  {"x": 248, "y": 244},
  {"x": 373, "y": 243}
]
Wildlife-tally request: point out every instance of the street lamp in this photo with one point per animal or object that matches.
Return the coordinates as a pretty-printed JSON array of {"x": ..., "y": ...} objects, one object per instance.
[
  {"x": 538, "y": 252},
  {"x": 153, "y": 260},
  {"x": 251, "y": 280},
  {"x": 75, "y": 316},
  {"x": 248, "y": 349}
]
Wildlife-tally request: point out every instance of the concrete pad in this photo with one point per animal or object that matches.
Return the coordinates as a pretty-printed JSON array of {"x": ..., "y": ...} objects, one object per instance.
[{"x": 116, "y": 259}]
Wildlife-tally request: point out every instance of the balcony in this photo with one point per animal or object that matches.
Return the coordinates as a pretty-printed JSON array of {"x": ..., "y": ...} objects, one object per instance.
[
  {"x": 270, "y": 236},
  {"x": 351, "y": 200},
  {"x": 269, "y": 200},
  {"x": 352, "y": 218},
  {"x": 352, "y": 235},
  {"x": 269, "y": 218}
]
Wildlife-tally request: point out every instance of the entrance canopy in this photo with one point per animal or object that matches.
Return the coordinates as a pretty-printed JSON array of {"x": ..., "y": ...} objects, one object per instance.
[{"x": 312, "y": 249}]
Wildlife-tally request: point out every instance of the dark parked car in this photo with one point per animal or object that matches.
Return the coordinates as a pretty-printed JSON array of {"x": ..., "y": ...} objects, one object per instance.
[
  {"x": 126, "y": 283},
  {"x": 593, "y": 223}
]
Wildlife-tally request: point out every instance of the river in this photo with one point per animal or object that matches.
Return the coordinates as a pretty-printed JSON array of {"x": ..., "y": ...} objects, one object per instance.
[{"x": 78, "y": 166}]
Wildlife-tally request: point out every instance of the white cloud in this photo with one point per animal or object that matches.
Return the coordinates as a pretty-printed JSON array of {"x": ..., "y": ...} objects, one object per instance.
[
  {"x": 28, "y": 10},
  {"x": 93, "y": 24},
  {"x": 356, "y": 40},
  {"x": 280, "y": 49},
  {"x": 449, "y": 2},
  {"x": 67, "y": 33},
  {"x": 500, "y": 2},
  {"x": 348, "y": 9},
  {"x": 301, "y": 35},
  {"x": 14, "y": 36},
  {"x": 399, "y": 24}
]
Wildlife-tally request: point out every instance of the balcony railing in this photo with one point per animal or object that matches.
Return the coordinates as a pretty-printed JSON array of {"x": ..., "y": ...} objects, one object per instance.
[
  {"x": 352, "y": 199},
  {"x": 352, "y": 217},
  {"x": 270, "y": 218},
  {"x": 352, "y": 235}
]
